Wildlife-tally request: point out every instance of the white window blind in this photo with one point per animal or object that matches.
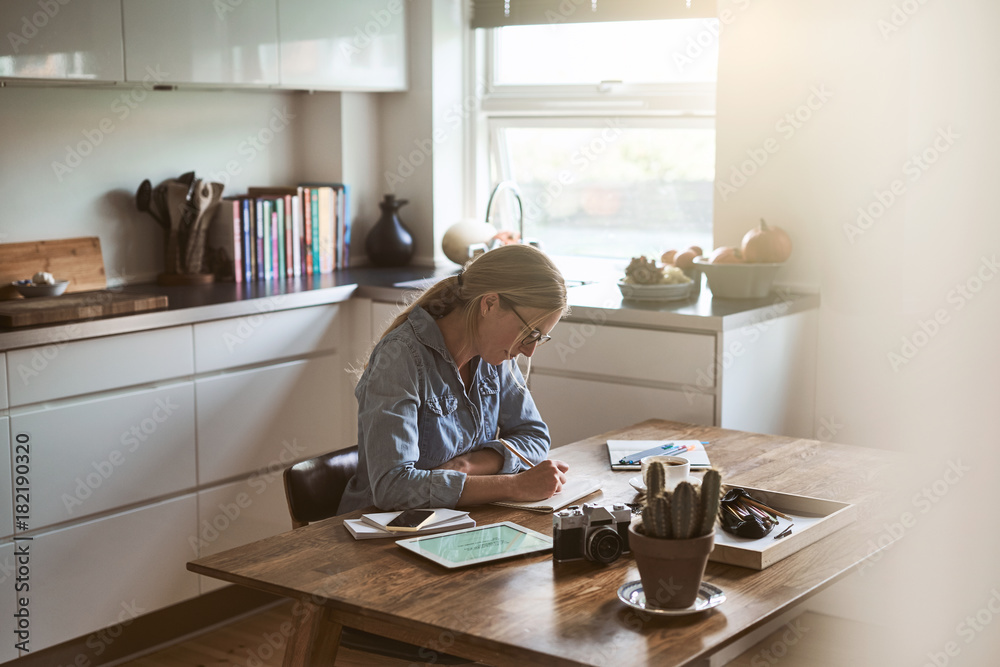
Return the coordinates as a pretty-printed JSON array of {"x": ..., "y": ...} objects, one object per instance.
[{"x": 500, "y": 13}]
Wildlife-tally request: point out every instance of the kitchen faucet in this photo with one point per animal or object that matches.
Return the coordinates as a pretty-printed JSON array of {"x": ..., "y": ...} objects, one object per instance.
[{"x": 516, "y": 191}]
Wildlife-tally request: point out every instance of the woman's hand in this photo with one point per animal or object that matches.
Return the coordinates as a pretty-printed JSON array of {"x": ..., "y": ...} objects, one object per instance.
[
  {"x": 477, "y": 462},
  {"x": 543, "y": 481}
]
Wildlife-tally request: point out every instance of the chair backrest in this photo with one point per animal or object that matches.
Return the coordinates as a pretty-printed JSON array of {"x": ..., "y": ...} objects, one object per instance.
[{"x": 314, "y": 487}]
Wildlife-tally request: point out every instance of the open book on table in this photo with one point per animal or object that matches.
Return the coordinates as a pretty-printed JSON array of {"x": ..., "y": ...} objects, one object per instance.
[
  {"x": 372, "y": 526},
  {"x": 574, "y": 489}
]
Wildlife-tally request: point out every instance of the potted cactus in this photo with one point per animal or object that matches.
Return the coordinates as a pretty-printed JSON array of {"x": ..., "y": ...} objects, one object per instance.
[{"x": 672, "y": 543}]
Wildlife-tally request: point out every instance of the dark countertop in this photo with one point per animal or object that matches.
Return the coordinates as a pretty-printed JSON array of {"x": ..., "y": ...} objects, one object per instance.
[{"x": 598, "y": 302}]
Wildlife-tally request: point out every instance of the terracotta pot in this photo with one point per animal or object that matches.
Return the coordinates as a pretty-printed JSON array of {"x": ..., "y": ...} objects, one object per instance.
[{"x": 671, "y": 570}]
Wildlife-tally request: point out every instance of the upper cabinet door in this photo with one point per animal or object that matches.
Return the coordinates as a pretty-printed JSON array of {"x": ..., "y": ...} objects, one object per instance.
[
  {"x": 213, "y": 42},
  {"x": 343, "y": 44},
  {"x": 60, "y": 39}
]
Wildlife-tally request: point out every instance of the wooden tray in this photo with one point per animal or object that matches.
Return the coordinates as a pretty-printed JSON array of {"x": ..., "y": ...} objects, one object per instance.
[
  {"x": 813, "y": 519},
  {"x": 80, "y": 306}
]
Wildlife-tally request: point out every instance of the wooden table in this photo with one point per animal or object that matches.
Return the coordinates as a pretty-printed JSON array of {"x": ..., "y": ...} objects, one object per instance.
[{"x": 533, "y": 611}]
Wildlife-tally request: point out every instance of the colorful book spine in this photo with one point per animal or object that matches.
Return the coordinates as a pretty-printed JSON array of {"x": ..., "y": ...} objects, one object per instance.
[
  {"x": 316, "y": 240},
  {"x": 297, "y": 239},
  {"x": 307, "y": 260},
  {"x": 279, "y": 233},
  {"x": 248, "y": 238},
  {"x": 261, "y": 224}
]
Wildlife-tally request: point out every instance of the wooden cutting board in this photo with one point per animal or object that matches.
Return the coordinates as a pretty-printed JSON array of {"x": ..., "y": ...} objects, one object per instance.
[
  {"x": 82, "y": 306},
  {"x": 77, "y": 260}
]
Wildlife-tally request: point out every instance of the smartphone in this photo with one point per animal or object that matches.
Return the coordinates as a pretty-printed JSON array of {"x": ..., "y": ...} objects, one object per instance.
[{"x": 410, "y": 520}]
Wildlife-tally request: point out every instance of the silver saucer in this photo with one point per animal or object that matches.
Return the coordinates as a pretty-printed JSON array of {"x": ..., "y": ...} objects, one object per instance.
[{"x": 709, "y": 596}]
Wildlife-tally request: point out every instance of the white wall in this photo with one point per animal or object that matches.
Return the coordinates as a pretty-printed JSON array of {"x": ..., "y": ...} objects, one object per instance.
[
  {"x": 51, "y": 190},
  {"x": 897, "y": 82}
]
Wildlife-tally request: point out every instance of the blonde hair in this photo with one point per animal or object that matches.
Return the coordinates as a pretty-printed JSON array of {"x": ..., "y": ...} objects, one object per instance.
[{"x": 524, "y": 275}]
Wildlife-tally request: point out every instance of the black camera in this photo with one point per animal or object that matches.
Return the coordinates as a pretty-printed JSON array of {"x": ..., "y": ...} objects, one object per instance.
[{"x": 593, "y": 532}]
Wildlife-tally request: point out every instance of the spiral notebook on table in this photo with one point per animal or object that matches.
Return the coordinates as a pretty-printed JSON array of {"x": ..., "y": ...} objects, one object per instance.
[
  {"x": 572, "y": 491},
  {"x": 619, "y": 449}
]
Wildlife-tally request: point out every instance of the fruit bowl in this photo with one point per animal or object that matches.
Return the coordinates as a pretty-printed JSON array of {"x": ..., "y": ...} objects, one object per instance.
[
  {"x": 739, "y": 281},
  {"x": 29, "y": 290},
  {"x": 661, "y": 292}
]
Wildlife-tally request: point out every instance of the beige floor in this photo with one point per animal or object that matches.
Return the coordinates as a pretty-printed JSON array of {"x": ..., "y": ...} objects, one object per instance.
[{"x": 811, "y": 640}]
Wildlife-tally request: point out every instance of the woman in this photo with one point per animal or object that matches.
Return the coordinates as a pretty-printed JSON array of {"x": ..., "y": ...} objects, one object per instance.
[{"x": 441, "y": 389}]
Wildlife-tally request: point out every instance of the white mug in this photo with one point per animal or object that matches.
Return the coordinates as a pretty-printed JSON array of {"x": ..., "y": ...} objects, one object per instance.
[{"x": 678, "y": 469}]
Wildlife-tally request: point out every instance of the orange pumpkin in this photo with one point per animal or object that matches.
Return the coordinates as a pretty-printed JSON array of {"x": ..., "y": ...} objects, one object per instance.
[{"x": 766, "y": 244}]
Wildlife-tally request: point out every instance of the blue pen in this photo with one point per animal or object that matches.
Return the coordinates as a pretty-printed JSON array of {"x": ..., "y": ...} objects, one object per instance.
[{"x": 664, "y": 450}]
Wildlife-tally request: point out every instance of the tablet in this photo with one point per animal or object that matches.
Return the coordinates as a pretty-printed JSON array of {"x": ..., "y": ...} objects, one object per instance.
[{"x": 481, "y": 544}]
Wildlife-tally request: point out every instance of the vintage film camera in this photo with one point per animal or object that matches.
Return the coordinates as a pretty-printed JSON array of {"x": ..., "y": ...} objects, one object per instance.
[{"x": 594, "y": 532}]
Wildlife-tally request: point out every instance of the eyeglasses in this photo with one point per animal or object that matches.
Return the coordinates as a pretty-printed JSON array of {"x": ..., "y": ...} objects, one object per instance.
[{"x": 535, "y": 336}]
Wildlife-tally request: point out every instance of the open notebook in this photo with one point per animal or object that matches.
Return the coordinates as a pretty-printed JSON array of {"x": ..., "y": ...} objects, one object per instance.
[{"x": 574, "y": 489}]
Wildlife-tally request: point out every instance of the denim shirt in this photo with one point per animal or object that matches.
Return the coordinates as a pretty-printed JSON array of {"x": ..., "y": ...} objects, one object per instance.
[{"x": 415, "y": 413}]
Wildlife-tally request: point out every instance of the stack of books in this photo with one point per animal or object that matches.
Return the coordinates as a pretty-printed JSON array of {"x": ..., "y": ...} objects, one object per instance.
[
  {"x": 274, "y": 233},
  {"x": 373, "y": 526}
]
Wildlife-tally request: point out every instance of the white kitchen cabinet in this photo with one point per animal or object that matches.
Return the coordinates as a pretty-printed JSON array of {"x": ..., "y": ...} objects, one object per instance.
[
  {"x": 3, "y": 381},
  {"x": 266, "y": 336},
  {"x": 343, "y": 44},
  {"x": 640, "y": 354},
  {"x": 62, "y": 369},
  {"x": 575, "y": 408},
  {"x": 218, "y": 42},
  {"x": 8, "y": 599},
  {"x": 62, "y": 40},
  {"x": 91, "y": 456},
  {"x": 267, "y": 418},
  {"x": 7, "y": 457},
  {"x": 105, "y": 572},
  {"x": 235, "y": 514}
]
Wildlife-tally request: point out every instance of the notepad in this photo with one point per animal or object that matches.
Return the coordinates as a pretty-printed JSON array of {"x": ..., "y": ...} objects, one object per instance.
[
  {"x": 618, "y": 449},
  {"x": 573, "y": 490},
  {"x": 370, "y": 526}
]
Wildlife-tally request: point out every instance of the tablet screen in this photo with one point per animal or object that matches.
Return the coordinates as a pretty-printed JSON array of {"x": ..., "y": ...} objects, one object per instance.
[{"x": 478, "y": 545}]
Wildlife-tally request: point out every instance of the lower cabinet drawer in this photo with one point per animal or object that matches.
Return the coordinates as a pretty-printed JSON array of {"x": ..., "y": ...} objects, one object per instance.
[
  {"x": 110, "y": 570},
  {"x": 7, "y": 455},
  {"x": 8, "y": 603},
  {"x": 93, "y": 456},
  {"x": 235, "y": 514},
  {"x": 623, "y": 352},
  {"x": 576, "y": 409},
  {"x": 266, "y": 418}
]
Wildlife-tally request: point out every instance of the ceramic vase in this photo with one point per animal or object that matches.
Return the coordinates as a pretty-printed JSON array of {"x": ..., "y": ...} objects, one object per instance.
[
  {"x": 671, "y": 570},
  {"x": 389, "y": 242}
]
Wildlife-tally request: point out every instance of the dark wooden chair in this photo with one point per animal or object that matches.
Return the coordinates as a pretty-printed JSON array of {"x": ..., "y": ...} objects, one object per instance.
[{"x": 313, "y": 489}]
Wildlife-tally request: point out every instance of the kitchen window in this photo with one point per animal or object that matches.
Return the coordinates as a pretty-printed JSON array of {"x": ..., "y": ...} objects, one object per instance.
[{"x": 608, "y": 130}]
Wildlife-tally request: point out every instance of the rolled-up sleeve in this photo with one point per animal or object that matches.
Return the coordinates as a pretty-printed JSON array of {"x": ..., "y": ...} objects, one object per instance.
[{"x": 388, "y": 426}]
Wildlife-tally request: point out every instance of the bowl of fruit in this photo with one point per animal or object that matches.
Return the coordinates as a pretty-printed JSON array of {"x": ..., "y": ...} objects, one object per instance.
[
  {"x": 40, "y": 284},
  {"x": 747, "y": 271},
  {"x": 646, "y": 280}
]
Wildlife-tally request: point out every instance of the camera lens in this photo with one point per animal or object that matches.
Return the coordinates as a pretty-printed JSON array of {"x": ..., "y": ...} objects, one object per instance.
[{"x": 604, "y": 545}]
